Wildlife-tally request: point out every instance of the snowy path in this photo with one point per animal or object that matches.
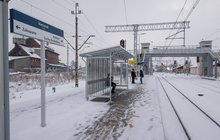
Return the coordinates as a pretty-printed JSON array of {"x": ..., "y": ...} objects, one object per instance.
[{"x": 134, "y": 114}]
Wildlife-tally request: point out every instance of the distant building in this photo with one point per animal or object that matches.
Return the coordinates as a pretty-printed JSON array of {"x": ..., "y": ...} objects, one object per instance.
[
  {"x": 145, "y": 48},
  {"x": 202, "y": 62},
  {"x": 25, "y": 57}
]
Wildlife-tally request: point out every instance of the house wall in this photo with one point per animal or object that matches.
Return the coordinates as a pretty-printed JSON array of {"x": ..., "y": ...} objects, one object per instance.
[
  {"x": 194, "y": 70},
  {"x": 20, "y": 64},
  {"x": 24, "y": 64},
  {"x": 52, "y": 58},
  {"x": 35, "y": 63}
]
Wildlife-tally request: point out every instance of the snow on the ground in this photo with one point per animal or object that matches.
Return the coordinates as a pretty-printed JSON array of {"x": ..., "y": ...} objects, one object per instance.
[
  {"x": 68, "y": 113},
  {"x": 146, "y": 123},
  {"x": 198, "y": 125}
]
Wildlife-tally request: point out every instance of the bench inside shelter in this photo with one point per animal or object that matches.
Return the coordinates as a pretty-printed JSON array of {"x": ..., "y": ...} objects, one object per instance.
[{"x": 99, "y": 64}]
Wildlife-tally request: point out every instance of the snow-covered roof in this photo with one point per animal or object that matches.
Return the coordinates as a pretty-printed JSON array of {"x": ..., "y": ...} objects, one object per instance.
[
  {"x": 30, "y": 52},
  {"x": 16, "y": 57},
  {"x": 57, "y": 65},
  {"x": 10, "y": 58}
]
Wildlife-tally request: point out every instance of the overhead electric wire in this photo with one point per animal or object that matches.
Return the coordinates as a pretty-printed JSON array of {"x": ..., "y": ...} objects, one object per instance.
[
  {"x": 71, "y": 1},
  {"x": 57, "y": 18},
  {"x": 216, "y": 39},
  {"x": 61, "y": 5},
  {"x": 213, "y": 33},
  {"x": 188, "y": 15},
  {"x": 191, "y": 10},
  {"x": 126, "y": 17},
  {"x": 176, "y": 21},
  {"x": 94, "y": 28},
  {"x": 61, "y": 20},
  {"x": 64, "y": 7},
  {"x": 86, "y": 32}
]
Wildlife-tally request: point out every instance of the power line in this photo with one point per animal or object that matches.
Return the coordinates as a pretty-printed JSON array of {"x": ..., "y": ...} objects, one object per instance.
[
  {"x": 57, "y": 18},
  {"x": 126, "y": 17},
  {"x": 188, "y": 15},
  {"x": 191, "y": 10},
  {"x": 177, "y": 21},
  {"x": 71, "y": 1},
  {"x": 61, "y": 5},
  {"x": 64, "y": 7},
  {"x": 47, "y": 13},
  {"x": 94, "y": 28},
  {"x": 78, "y": 19},
  {"x": 213, "y": 33}
]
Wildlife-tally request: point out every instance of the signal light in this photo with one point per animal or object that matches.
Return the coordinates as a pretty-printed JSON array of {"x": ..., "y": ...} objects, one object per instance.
[{"x": 122, "y": 43}]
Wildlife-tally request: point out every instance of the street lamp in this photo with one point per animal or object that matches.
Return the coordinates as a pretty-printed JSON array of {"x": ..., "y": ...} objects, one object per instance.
[
  {"x": 84, "y": 48},
  {"x": 86, "y": 41}
]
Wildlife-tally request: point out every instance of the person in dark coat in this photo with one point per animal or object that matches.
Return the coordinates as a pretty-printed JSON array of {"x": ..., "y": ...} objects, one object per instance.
[
  {"x": 141, "y": 76},
  {"x": 112, "y": 83},
  {"x": 133, "y": 76}
]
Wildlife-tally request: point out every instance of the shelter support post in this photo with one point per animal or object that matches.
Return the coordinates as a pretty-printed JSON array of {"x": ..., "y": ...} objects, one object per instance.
[
  {"x": 216, "y": 71},
  {"x": 87, "y": 98},
  {"x": 110, "y": 67},
  {"x": 43, "y": 96}
]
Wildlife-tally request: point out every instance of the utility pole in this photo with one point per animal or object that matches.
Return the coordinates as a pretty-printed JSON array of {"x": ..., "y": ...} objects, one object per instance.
[
  {"x": 76, "y": 12},
  {"x": 77, "y": 48}
]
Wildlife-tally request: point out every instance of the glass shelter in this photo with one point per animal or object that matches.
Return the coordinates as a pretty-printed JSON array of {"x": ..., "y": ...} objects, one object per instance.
[{"x": 100, "y": 63}]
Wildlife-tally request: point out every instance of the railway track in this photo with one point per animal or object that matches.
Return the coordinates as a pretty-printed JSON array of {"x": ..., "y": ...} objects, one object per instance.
[{"x": 196, "y": 123}]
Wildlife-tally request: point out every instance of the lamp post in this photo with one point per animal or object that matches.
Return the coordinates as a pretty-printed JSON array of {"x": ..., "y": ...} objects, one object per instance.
[{"x": 84, "y": 48}]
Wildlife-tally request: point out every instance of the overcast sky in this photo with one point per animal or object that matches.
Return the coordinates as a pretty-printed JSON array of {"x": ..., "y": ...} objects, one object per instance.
[{"x": 204, "y": 21}]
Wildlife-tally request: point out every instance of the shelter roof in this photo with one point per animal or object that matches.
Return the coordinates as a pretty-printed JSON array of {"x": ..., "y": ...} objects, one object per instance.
[{"x": 117, "y": 53}]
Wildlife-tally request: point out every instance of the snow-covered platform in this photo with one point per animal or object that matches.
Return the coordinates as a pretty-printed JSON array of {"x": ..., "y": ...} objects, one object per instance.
[{"x": 141, "y": 112}]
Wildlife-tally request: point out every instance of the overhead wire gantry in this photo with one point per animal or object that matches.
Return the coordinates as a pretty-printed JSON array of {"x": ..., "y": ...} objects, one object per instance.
[{"x": 147, "y": 27}]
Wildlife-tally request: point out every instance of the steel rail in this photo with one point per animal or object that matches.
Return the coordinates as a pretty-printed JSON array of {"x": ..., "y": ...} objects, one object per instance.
[
  {"x": 193, "y": 103},
  {"x": 184, "y": 128}
]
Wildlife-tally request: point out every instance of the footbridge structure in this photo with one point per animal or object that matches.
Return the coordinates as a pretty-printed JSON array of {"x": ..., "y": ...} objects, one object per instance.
[{"x": 205, "y": 54}]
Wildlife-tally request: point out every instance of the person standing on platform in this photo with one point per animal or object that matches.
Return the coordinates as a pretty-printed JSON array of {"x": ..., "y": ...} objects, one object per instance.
[
  {"x": 133, "y": 76},
  {"x": 141, "y": 76}
]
